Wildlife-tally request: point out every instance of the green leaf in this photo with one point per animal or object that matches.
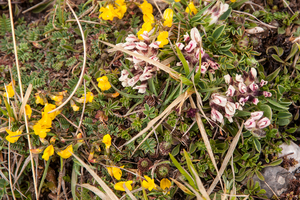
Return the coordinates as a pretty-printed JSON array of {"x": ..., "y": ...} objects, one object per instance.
[
  {"x": 277, "y": 58},
  {"x": 283, "y": 122},
  {"x": 283, "y": 114},
  {"x": 276, "y": 104},
  {"x": 186, "y": 81},
  {"x": 209, "y": 89},
  {"x": 266, "y": 109},
  {"x": 273, "y": 75},
  {"x": 190, "y": 164},
  {"x": 226, "y": 14},
  {"x": 241, "y": 113},
  {"x": 183, "y": 171},
  {"x": 278, "y": 50},
  {"x": 293, "y": 51},
  {"x": 67, "y": 47},
  {"x": 175, "y": 151},
  {"x": 259, "y": 175},
  {"x": 291, "y": 130},
  {"x": 274, "y": 163},
  {"x": 227, "y": 53},
  {"x": 238, "y": 3},
  {"x": 280, "y": 89},
  {"x": 257, "y": 144},
  {"x": 41, "y": 7},
  {"x": 245, "y": 156},
  {"x": 218, "y": 32},
  {"x": 183, "y": 60}
]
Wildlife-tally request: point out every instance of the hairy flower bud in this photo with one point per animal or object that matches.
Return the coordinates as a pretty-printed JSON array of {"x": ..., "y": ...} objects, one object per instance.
[
  {"x": 253, "y": 86},
  {"x": 191, "y": 46},
  {"x": 131, "y": 38},
  {"x": 250, "y": 124},
  {"x": 180, "y": 45},
  {"x": 142, "y": 46},
  {"x": 239, "y": 78},
  {"x": 230, "y": 108},
  {"x": 219, "y": 100},
  {"x": 263, "y": 123},
  {"x": 242, "y": 88},
  {"x": 267, "y": 94},
  {"x": 217, "y": 116},
  {"x": 231, "y": 90},
  {"x": 257, "y": 115},
  {"x": 227, "y": 79},
  {"x": 141, "y": 88},
  {"x": 195, "y": 35},
  {"x": 263, "y": 82},
  {"x": 253, "y": 74},
  {"x": 186, "y": 37},
  {"x": 255, "y": 101},
  {"x": 129, "y": 45}
]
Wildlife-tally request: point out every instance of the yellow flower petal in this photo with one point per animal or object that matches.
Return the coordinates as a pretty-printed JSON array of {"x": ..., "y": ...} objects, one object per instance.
[
  {"x": 66, "y": 153},
  {"x": 191, "y": 9},
  {"x": 49, "y": 151},
  {"x": 28, "y": 110},
  {"x": 146, "y": 7},
  {"x": 103, "y": 83},
  {"x": 115, "y": 172},
  {"x": 119, "y": 185},
  {"x": 163, "y": 38},
  {"x": 149, "y": 183},
  {"x": 168, "y": 16},
  {"x": 165, "y": 183},
  {"x": 10, "y": 91},
  {"x": 89, "y": 97},
  {"x": 10, "y": 138},
  {"x": 107, "y": 140},
  {"x": 38, "y": 99}
]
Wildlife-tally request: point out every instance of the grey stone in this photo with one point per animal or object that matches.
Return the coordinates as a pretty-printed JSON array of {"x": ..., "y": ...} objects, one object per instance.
[
  {"x": 294, "y": 151},
  {"x": 277, "y": 178}
]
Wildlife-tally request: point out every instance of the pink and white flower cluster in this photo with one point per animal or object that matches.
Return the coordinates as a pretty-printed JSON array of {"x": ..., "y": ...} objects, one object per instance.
[
  {"x": 141, "y": 70},
  {"x": 245, "y": 88},
  {"x": 241, "y": 90},
  {"x": 255, "y": 122},
  {"x": 191, "y": 50},
  {"x": 216, "y": 11}
]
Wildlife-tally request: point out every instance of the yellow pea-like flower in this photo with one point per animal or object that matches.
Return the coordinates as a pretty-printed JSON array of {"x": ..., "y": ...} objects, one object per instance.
[
  {"x": 119, "y": 186},
  {"x": 103, "y": 83},
  {"x": 163, "y": 38},
  {"x": 191, "y": 9},
  {"x": 11, "y": 135},
  {"x": 168, "y": 16},
  {"x": 107, "y": 141},
  {"x": 49, "y": 151},
  {"x": 66, "y": 153}
]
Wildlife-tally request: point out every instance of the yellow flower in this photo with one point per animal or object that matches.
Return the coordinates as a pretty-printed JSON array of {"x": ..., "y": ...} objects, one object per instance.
[
  {"x": 10, "y": 90},
  {"x": 49, "y": 107},
  {"x": 121, "y": 8},
  {"x": 168, "y": 16},
  {"x": 119, "y": 185},
  {"x": 66, "y": 153},
  {"x": 191, "y": 9},
  {"x": 79, "y": 136},
  {"x": 89, "y": 97},
  {"x": 108, "y": 12},
  {"x": 165, "y": 184},
  {"x": 149, "y": 184},
  {"x": 116, "y": 94},
  {"x": 103, "y": 83},
  {"x": 75, "y": 107},
  {"x": 163, "y": 38},
  {"x": 115, "y": 172},
  {"x": 233, "y": 1},
  {"x": 49, "y": 151},
  {"x": 148, "y": 17},
  {"x": 28, "y": 110},
  {"x": 40, "y": 130},
  {"x": 107, "y": 140},
  {"x": 177, "y": 0},
  {"x": 10, "y": 137},
  {"x": 38, "y": 99},
  {"x": 147, "y": 26},
  {"x": 146, "y": 7}
]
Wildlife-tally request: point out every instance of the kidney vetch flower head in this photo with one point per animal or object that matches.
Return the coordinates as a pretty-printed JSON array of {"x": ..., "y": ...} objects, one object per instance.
[
  {"x": 110, "y": 11},
  {"x": 103, "y": 83}
]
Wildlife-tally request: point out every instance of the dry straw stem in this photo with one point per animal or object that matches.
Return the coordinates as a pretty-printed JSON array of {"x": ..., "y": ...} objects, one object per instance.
[
  {"x": 226, "y": 159},
  {"x": 9, "y": 173},
  {"x": 21, "y": 91},
  {"x": 129, "y": 193},
  {"x": 95, "y": 190},
  {"x": 83, "y": 65},
  {"x": 109, "y": 193},
  {"x": 205, "y": 139},
  {"x": 200, "y": 185},
  {"x": 194, "y": 191},
  {"x": 165, "y": 68},
  {"x": 24, "y": 102},
  {"x": 83, "y": 109},
  {"x": 162, "y": 116}
]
